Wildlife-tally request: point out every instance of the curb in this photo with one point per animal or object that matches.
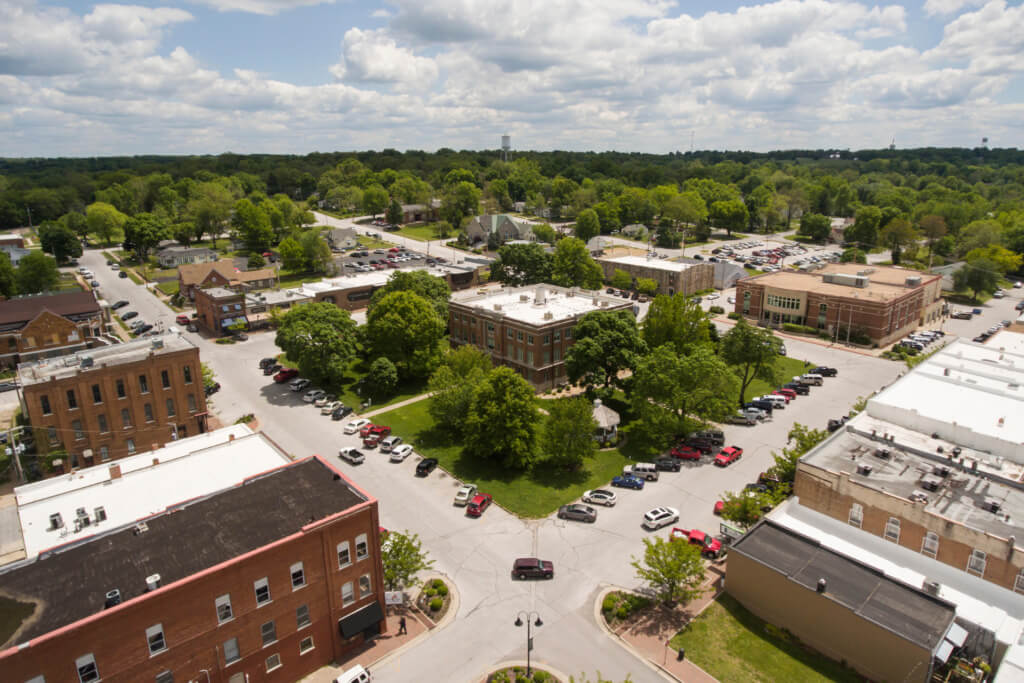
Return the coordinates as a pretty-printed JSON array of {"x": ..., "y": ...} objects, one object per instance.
[
  {"x": 534, "y": 664},
  {"x": 617, "y": 638},
  {"x": 448, "y": 618}
]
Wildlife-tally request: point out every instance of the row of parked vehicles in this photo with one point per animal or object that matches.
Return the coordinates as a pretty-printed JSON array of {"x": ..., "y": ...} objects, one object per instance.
[
  {"x": 762, "y": 407},
  {"x": 919, "y": 340}
]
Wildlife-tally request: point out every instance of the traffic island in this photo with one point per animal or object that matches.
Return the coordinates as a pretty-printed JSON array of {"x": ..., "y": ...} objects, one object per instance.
[
  {"x": 434, "y": 600},
  {"x": 516, "y": 673}
]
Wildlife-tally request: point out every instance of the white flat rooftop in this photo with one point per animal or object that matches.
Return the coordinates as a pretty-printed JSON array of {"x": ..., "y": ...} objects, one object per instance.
[
  {"x": 149, "y": 483},
  {"x": 102, "y": 356},
  {"x": 375, "y": 278},
  {"x": 656, "y": 263},
  {"x": 542, "y": 304}
]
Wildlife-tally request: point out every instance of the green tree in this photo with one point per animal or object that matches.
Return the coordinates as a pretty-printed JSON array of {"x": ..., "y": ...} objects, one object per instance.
[
  {"x": 933, "y": 228},
  {"x": 747, "y": 506},
  {"x": 453, "y": 384},
  {"x": 142, "y": 232},
  {"x": 800, "y": 440},
  {"x": 252, "y": 226},
  {"x": 621, "y": 279},
  {"x": 864, "y": 231},
  {"x": 587, "y": 225},
  {"x": 321, "y": 338},
  {"x": 375, "y": 200},
  {"x": 209, "y": 208},
  {"x": 545, "y": 233},
  {"x": 730, "y": 214},
  {"x": 60, "y": 241},
  {"x": 430, "y": 287},
  {"x": 76, "y": 222},
  {"x": 460, "y": 201},
  {"x": 567, "y": 439},
  {"x": 104, "y": 221},
  {"x": 293, "y": 257},
  {"x": 402, "y": 557},
  {"x": 1006, "y": 261},
  {"x": 8, "y": 286},
  {"x": 382, "y": 378},
  {"x": 676, "y": 320},
  {"x": 394, "y": 214},
  {"x": 315, "y": 252},
  {"x": 980, "y": 275},
  {"x": 572, "y": 265},
  {"x": 751, "y": 352},
  {"x": 607, "y": 342},
  {"x": 853, "y": 255},
  {"x": 255, "y": 261},
  {"x": 685, "y": 208},
  {"x": 36, "y": 273},
  {"x": 646, "y": 285},
  {"x": 522, "y": 264},
  {"x": 979, "y": 234},
  {"x": 405, "y": 328},
  {"x": 502, "y": 420},
  {"x": 673, "y": 570},
  {"x": 897, "y": 235},
  {"x": 815, "y": 226}
]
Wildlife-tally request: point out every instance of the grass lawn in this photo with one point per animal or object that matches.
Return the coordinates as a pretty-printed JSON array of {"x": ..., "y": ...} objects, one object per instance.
[
  {"x": 357, "y": 370},
  {"x": 732, "y": 644},
  {"x": 532, "y": 494},
  {"x": 133, "y": 277},
  {"x": 752, "y": 271},
  {"x": 169, "y": 288},
  {"x": 424, "y": 232},
  {"x": 67, "y": 283},
  {"x": 788, "y": 368},
  {"x": 965, "y": 299},
  {"x": 368, "y": 242}
]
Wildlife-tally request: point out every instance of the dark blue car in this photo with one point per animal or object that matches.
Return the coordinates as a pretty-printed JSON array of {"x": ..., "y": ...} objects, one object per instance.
[{"x": 628, "y": 481}]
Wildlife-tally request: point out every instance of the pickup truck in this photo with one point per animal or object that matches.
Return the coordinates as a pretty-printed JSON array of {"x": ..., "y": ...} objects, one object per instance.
[
  {"x": 709, "y": 546},
  {"x": 728, "y": 456},
  {"x": 815, "y": 380}
]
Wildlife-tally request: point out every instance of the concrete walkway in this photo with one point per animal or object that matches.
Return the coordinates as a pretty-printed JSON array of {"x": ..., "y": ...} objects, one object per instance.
[{"x": 392, "y": 406}]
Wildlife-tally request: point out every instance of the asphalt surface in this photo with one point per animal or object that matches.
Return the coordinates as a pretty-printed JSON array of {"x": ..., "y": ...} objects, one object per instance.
[{"x": 478, "y": 553}]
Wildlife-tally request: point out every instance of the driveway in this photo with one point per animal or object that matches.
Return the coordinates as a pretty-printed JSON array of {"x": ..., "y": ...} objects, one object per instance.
[{"x": 431, "y": 248}]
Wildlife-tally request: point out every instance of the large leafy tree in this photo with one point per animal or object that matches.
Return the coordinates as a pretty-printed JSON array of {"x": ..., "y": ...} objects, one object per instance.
[
  {"x": 382, "y": 378},
  {"x": 1006, "y": 261},
  {"x": 573, "y": 266},
  {"x": 453, "y": 385},
  {"x": 607, "y": 342},
  {"x": 315, "y": 251},
  {"x": 75, "y": 221},
  {"x": 8, "y": 286},
  {"x": 697, "y": 387},
  {"x": 252, "y": 225},
  {"x": 898, "y": 235},
  {"x": 730, "y": 214},
  {"x": 292, "y": 255},
  {"x": 799, "y": 441},
  {"x": 522, "y": 264},
  {"x": 60, "y": 241},
  {"x": 321, "y": 338},
  {"x": 587, "y": 225},
  {"x": 864, "y": 231},
  {"x": 36, "y": 273},
  {"x": 209, "y": 208},
  {"x": 502, "y": 420},
  {"x": 405, "y": 328},
  {"x": 430, "y": 287},
  {"x": 375, "y": 200},
  {"x": 142, "y": 232},
  {"x": 815, "y": 226},
  {"x": 933, "y": 228},
  {"x": 751, "y": 352},
  {"x": 676, "y": 320},
  {"x": 460, "y": 200},
  {"x": 104, "y": 221},
  {"x": 979, "y": 275},
  {"x": 403, "y": 557},
  {"x": 673, "y": 570},
  {"x": 567, "y": 439}
]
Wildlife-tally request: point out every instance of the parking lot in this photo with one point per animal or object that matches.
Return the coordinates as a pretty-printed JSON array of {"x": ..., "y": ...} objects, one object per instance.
[
  {"x": 367, "y": 260},
  {"x": 773, "y": 256}
]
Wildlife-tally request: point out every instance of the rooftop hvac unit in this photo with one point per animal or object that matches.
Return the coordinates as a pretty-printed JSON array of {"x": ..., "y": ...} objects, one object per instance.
[
  {"x": 112, "y": 598},
  {"x": 87, "y": 361},
  {"x": 158, "y": 343},
  {"x": 913, "y": 281},
  {"x": 140, "y": 528},
  {"x": 883, "y": 453},
  {"x": 865, "y": 469},
  {"x": 931, "y": 587},
  {"x": 152, "y": 582},
  {"x": 992, "y": 505}
]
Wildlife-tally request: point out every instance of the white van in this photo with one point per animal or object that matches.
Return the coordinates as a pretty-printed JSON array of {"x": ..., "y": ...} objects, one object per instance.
[
  {"x": 776, "y": 400},
  {"x": 644, "y": 470},
  {"x": 810, "y": 378},
  {"x": 356, "y": 674}
]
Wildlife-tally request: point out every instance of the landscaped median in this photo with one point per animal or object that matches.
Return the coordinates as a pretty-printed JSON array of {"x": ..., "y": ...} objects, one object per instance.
[{"x": 536, "y": 493}]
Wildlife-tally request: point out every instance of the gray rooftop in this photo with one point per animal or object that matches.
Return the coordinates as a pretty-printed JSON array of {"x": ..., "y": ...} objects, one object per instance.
[
  {"x": 907, "y": 611},
  {"x": 540, "y": 304},
  {"x": 106, "y": 356}
]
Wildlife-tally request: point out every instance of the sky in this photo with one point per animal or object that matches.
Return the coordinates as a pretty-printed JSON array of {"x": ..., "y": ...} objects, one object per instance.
[{"x": 298, "y": 76}]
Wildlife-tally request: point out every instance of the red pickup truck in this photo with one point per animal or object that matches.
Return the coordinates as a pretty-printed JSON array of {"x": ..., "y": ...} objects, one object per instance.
[
  {"x": 709, "y": 546},
  {"x": 728, "y": 456}
]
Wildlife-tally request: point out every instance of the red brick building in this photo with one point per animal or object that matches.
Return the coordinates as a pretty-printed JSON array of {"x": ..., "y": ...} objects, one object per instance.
[
  {"x": 881, "y": 302},
  {"x": 217, "y": 309},
  {"x": 47, "y": 325},
  {"x": 110, "y": 402},
  {"x": 195, "y": 276},
  {"x": 267, "y": 580}
]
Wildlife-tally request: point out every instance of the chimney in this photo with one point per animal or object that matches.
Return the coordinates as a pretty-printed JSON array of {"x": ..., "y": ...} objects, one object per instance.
[
  {"x": 539, "y": 300},
  {"x": 115, "y": 471},
  {"x": 822, "y": 584},
  {"x": 152, "y": 582}
]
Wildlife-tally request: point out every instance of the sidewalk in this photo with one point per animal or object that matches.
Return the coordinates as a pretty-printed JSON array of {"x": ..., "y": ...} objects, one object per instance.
[{"x": 392, "y": 406}]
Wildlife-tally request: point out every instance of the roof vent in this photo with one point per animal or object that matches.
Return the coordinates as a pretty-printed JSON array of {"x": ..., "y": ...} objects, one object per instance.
[
  {"x": 539, "y": 298},
  {"x": 883, "y": 453},
  {"x": 548, "y": 315},
  {"x": 140, "y": 528},
  {"x": 112, "y": 598},
  {"x": 822, "y": 585},
  {"x": 152, "y": 582},
  {"x": 497, "y": 307},
  {"x": 931, "y": 587},
  {"x": 523, "y": 298},
  {"x": 864, "y": 469},
  {"x": 87, "y": 362},
  {"x": 158, "y": 343}
]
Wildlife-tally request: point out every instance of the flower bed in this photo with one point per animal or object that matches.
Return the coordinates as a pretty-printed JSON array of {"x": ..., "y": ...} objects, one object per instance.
[
  {"x": 618, "y": 606},
  {"x": 517, "y": 674},
  {"x": 434, "y": 599}
]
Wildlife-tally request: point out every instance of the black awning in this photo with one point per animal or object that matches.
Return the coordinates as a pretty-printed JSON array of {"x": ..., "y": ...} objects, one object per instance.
[{"x": 358, "y": 621}]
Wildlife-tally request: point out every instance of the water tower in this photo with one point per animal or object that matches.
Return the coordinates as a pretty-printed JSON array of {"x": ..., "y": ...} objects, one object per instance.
[{"x": 506, "y": 146}]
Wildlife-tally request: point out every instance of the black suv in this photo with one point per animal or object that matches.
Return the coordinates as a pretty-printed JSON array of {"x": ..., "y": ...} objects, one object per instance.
[
  {"x": 766, "y": 406},
  {"x": 668, "y": 464},
  {"x": 824, "y": 371},
  {"x": 716, "y": 436},
  {"x": 798, "y": 387}
]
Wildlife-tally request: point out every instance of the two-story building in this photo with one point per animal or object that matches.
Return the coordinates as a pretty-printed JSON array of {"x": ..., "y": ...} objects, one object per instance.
[
  {"x": 218, "y": 309},
  {"x": 110, "y": 402},
  {"x": 529, "y": 329},
  {"x": 673, "y": 277},
  {"x": 47, "y": 325},
  {"x": 222, "y": 274}
]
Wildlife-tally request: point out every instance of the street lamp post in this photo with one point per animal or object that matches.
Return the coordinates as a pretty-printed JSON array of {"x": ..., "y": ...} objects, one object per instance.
[{"x": 529, "y": 637}]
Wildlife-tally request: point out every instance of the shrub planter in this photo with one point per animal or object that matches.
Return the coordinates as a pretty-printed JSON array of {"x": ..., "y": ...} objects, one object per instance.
[
  {"x": 517, "y": 674},
  {"x": 618, "y": 606},
  {"x": 434, "y": 599}
]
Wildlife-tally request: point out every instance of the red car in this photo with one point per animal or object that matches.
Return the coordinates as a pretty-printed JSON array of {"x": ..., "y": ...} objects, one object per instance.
[
  {"x": 788, "y": 393},
  {"x": 709, "y": 546},
  {"x": 480, "y": 502},
  {"x": 182, "y": 319},
  {"x": 380, "y": 431},
  {"x": 371, "y": 441},
  {"x": 394, "y": 250},
  {"x": 728, "y": 456},
  {"x": 718, "y": 507},
  {"x": 785, "y": 396},
  {"x": 686, "y": 452},
  {"x": 285, "y": 375}
]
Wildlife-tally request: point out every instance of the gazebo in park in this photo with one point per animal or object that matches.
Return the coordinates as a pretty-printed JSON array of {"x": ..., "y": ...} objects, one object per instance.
[{"x": 607, "y": 422}]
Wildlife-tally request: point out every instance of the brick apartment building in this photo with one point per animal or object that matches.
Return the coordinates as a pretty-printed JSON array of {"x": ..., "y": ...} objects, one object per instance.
[
  {"x": 884, "y": 303},
  {"x": 673, "y": 277},
  {"x": 218, "y": 308},
  {"x": 108, "y": 403},
  {"x": 195, "y": 276},
  {"x": 218, "y": 586},
  {"x": 529, "y": 329},
  {"x": 47, "y": 325}
]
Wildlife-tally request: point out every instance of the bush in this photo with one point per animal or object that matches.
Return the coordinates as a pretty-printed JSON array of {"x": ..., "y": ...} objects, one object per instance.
[
  {"x": 541, "y": 676},
  {"x": 718, "y": 310},
  {"x": 636, "y": 602},
  {"x": 622, "y": 612},
  {"x": 500, "y": 677},
  {"x": 430, "y": 592},
  {"x": 609, "y": 602},
  {"x": 799, "y": 329},
  {"x": 436, "y": 604},
  {"x": 225, "y": 340},
  {"x": 442, "y": 590},
  {"x": 437, "y": 583},
  {"x": 733, "y": 315}
]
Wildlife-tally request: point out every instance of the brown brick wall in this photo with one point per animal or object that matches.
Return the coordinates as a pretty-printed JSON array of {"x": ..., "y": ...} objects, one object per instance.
[
  {"x": 144, "y": 433},
  {"x": 117, "y": 637},
  {"x": 697, "y": 277},
  {"x": 209, "y": 312}
]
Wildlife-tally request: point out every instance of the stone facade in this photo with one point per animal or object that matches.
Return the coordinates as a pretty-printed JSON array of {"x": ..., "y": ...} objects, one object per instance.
[{"x": 672, "y": 277}]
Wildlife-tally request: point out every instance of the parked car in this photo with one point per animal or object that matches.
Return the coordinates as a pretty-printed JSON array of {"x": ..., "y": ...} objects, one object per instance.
[
  {"x": 532, "y": 568},
  {"x": 299, "y": 385},
  {"x": 667, "y": 463},
  {"x": 340, "y": 412},
  {"x": 426, "y": 466},
  {"x": 272, "y": 369},
  {"x": 659, "y": 517},
  {"x": 714, "y": 436},
  {"x": 371, "y": 429},
  {"x": 328, "y": 408},
  {"x": 480, "y": 502},
  {"x": 355, "y": 425},
  {"x": 181, "y": 319},
  {"x": 728, "y": 456},
  {"x": 240, "y": 336},
  {"x": 128, "y": 315},
  {"x": 628, "y": 481},
  {"x": 191, "y": 327},
  {"x": 122, "y": 274},
  {"x": 388, "y": 444},
  {"x": 144, "y": 328},
  {"x": 824, "y": 371},
  {"x": 578, "y": 512},
  {"x": 465, "y": 494},
  {"x": 119, "y": 304},
  {"x": 709, "y": 546},
  {"x": 766, "y": 407},
  {"x": 265, "y": 362},
  {"x": 787, "y": 392},
  {"x": 400, "y": 453},
  {"x": 285, "y": 375},
  {"x": 371, "y": 441},
  {"x": 313, "y": 395},
  {"x": 798, "y": 387},
  {"x": 600, "y": 497},
  {"x": 352, "y": 455},
  {"x": 684, "y": 452},
  {"x": 324, "y": 400}
]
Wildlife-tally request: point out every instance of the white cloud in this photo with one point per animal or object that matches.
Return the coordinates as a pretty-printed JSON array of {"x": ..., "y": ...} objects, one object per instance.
[
  {"x": 266, "y": 7},
  {"x": 933, "y": 7},
  {"x": 374, "y": 57}
]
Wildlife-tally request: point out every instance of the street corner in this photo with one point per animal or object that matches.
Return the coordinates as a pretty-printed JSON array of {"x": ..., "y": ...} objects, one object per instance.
[{"x": 513, "y": 669}]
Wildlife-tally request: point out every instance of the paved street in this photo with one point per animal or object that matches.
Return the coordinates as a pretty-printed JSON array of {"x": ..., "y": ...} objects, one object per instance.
[
  {"x": 432, "y": 248},
  {"x": 477, "y": 554}
]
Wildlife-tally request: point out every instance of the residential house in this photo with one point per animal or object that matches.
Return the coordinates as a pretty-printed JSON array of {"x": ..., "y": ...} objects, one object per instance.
[
  {"x": 15, "y": 253},
  {"x": 179, "y": 255},
  {"x": 417, "y": 213},
  {"x": 12, "y": 240},
  {"x": 342, "y": 238},
  {"x": 222, "y": 274},
  {"x": 49, "y": 324},
  {"x": 501, "y": 226}
]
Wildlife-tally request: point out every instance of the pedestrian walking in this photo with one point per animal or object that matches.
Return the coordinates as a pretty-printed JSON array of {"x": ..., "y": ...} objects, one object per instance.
[{"x": 401, "y": 625}]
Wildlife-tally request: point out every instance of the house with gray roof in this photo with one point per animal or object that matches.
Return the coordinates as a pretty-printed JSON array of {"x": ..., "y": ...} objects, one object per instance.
[{"x": 502, "y": 226}]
